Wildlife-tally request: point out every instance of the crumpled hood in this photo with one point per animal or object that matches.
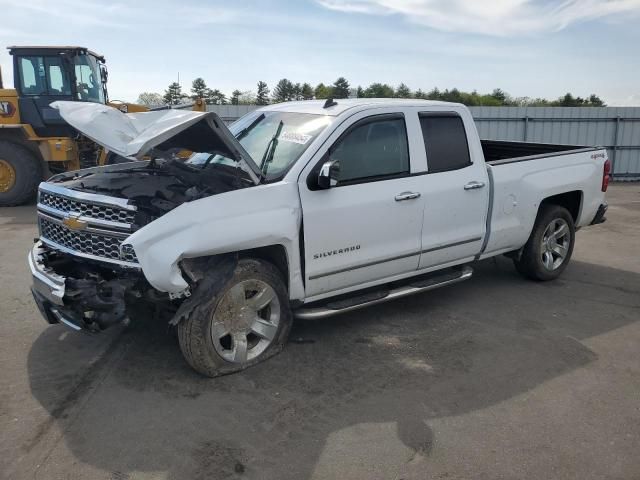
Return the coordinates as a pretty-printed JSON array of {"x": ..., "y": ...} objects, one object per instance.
[{"x": 136, "y": 134}]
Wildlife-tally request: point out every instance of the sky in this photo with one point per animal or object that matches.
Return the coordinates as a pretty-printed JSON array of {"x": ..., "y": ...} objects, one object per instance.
[{"x": 534, "y": 48}]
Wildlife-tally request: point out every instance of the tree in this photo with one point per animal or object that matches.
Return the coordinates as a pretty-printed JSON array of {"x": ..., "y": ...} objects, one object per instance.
[
  {"x": 306, "y": 91},
  {"x": 263, "y": 93},
  {"x": 322, "y": 91},
  {"x": 283, "y": 91},
  {"x": 359, "y": 92},
  {"x": 595, "y": 101},
  {"x": 215, "y": 97},
  {"x": 297, "y": 92},
  {"x": 150, "y": 99},
  {"x": 340, "y": 88},
  {"x": 173, "y": 94},
  {"x": 198, "y": 88},
  {"x": 235, "y": 97},
  {"x": 379, "y": 90},
  {"x": 247, "y": 98},
  {"x": 403, "y": 91}
]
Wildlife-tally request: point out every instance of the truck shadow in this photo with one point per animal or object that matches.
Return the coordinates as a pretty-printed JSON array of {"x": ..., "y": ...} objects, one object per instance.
[{"x": 439, "y": 354}]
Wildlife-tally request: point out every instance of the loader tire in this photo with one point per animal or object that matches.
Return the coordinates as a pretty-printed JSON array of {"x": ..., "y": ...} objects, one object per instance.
[{"x": 20, "y": 174}]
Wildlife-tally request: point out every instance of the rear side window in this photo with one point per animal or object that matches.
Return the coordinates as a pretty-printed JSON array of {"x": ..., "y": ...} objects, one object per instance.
[{"x": 445, "y": 141}]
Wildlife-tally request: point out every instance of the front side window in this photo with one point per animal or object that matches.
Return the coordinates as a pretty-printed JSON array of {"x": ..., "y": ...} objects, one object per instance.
[
  {"x": 88, "y": 79},
  {"x": 445, "y": 141},
  {"x": 373, "y": 149}
]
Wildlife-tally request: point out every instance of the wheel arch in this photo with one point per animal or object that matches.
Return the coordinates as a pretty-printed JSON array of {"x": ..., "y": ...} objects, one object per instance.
[
  {"x": 20, "y": 137},
  {"x": 572, "y": 201}
]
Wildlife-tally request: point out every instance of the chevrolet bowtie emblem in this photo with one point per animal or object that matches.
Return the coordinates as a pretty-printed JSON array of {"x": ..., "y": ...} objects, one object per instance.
[{"x": 72, "y": 221}]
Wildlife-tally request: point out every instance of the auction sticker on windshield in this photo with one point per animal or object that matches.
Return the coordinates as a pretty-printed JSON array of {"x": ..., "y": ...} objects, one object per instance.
[{"x": 295, "y": 137}]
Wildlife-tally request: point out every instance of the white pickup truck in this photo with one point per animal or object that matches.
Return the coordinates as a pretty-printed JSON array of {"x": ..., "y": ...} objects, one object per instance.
[{"x": 301, "y": 209}]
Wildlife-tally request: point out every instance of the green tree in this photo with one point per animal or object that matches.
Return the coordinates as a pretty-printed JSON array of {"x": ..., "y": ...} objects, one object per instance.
[
  {"x": 215, "y": 97},
  {"x": 173, "y": 94},
  {"x": 595, "y": 101},
  {"x": 198, "y": 88},
  {"x": 296, "y": 93},
  {"x": 359, "y": 92},
  {"x": 235, "y": 97},
  {"x": 262, "y": 98},
  {"x": 419, "y": 94},
  {"x": 379, "y": 90},
  {"x": 306, "y": 91},
  {"x": 322, "y": 91},
  {"x": 283, "y": 92},
  {"x": 150, "y": 99},
  {"x": 403, "y": 91},
  {"x": 340, "y": 88}
]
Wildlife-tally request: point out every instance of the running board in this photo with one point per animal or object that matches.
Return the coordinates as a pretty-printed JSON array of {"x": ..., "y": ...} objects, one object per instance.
[{"x": 348, "y": 304}]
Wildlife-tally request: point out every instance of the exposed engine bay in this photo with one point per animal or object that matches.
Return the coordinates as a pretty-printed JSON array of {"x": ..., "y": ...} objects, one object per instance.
[{"x": 156, "y": 186}]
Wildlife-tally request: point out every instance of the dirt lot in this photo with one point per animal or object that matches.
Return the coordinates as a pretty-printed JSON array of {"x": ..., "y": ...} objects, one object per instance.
[{"x": 497, "y": 377}]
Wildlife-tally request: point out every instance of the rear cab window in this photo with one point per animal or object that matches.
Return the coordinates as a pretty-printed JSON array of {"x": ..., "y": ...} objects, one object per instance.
[{"x": 445, "y": 141}]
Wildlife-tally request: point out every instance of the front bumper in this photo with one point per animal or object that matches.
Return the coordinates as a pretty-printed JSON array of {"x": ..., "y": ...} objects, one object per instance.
[
  {"x": 48, "y": 289},
  {"x": 80, "y": 303},
  {"x": 600, "y": 214}
]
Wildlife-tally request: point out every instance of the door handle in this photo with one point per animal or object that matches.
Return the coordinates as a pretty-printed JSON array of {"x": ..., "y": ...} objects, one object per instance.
[
  {"x": 474, "y": 185},
  {"x": 407, "y": 196}
]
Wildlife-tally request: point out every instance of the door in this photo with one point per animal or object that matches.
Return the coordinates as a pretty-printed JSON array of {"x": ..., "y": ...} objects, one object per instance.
[
  {"x": 366, "y": 227},
  {"x": 456, "y": 191}
]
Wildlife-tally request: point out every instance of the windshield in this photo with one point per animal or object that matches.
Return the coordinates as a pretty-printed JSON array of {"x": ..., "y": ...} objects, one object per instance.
[
  {"x": 256, "y": 131},
  {"x": 88, "y": 79}
]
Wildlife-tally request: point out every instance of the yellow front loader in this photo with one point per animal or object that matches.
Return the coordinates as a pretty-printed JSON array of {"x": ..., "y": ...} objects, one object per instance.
[{"x": 35, "y": 142}]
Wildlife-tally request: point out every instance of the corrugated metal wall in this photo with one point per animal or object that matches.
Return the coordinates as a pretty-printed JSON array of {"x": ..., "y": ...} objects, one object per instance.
[{"x": 617, "y": 128}]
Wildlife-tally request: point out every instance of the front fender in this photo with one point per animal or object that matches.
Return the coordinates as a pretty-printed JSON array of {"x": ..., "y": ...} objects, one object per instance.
[{"x": 230, "y": 222}]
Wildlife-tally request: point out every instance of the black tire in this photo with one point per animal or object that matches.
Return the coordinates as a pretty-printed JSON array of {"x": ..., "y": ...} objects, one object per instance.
[
  {"x": 27, "y": 172},
  {"x": 195, "y": 331},
  {"x": 531, "y": 263}
]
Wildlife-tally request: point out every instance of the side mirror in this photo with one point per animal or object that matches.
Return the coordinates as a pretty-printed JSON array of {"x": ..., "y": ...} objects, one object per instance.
[{"x": 329, "y": 174}]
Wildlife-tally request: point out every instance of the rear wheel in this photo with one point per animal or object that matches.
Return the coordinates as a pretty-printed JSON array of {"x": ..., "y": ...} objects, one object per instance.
[
  {"x": 247, "y": 322},
  {"x": 20, "y": 174},
  {"x": 549, "y": 248}
]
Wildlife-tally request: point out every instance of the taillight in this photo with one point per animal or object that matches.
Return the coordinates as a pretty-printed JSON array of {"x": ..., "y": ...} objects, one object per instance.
[{"x": 606, "y": 171}]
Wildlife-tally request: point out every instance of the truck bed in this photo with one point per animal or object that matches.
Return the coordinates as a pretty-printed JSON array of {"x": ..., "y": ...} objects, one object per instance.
[{"x": 497, "y": 152}]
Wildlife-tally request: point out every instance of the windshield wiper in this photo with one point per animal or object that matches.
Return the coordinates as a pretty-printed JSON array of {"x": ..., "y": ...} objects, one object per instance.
[
  {"x": 267, "y": 158},
  {"x": 239, "y": 136},
  {"x": 243, "y": 133}
]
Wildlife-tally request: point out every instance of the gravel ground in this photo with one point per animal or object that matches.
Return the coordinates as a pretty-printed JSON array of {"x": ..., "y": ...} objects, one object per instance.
[{"x": 493, "y": 378}]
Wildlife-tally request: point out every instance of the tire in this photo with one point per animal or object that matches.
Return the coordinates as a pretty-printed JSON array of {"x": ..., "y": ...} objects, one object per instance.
[
  {"x": 20, "y": 174},
  {"x": 550, "y": 246},
  {"x": 211, "y": 337}
]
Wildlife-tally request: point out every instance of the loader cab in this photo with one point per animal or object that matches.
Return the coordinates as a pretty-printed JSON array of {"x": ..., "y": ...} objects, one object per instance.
[{"x": 43, "y": 75}]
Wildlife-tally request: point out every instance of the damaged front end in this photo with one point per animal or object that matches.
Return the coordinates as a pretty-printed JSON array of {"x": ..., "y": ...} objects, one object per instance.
[
  {"x": 85, "y": 274},
  {"x": 81, "y": 296}
]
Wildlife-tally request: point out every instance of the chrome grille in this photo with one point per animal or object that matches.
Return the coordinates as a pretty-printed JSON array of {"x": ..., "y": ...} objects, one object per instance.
[
  {"x": 85, "y": 224},
  {"x": 88, "y": 243},
  {"x": 101, "y": 212}
]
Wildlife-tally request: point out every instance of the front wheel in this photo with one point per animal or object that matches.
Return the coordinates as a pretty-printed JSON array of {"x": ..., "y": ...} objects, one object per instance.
[
  {"x": 247, "y": 322},
  {"x": 549, "y": 248}
]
